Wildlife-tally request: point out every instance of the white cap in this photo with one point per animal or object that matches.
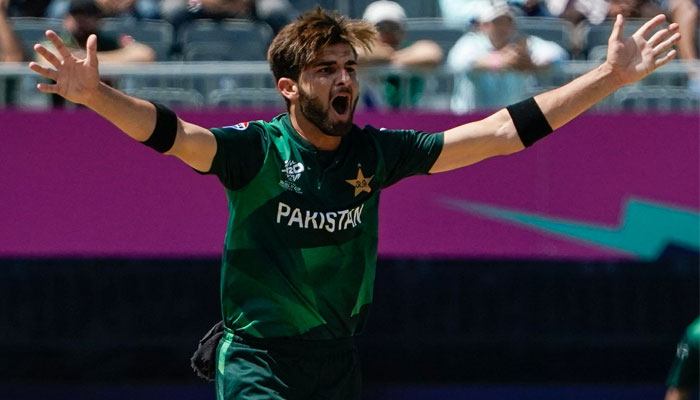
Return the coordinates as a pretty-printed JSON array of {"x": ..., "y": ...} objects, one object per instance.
[
  {"x": 384, "y": 10},
  {"x": 494, "y": 10}
]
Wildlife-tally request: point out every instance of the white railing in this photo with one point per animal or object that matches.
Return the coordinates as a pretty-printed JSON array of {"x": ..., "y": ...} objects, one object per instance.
[{"x": 250, "y": 84}]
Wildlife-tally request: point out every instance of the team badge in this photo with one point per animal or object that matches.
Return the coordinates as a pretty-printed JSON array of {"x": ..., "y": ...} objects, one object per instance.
[
  {"x": 361, "y": 184},
  {"x": 241, "y": 126}
]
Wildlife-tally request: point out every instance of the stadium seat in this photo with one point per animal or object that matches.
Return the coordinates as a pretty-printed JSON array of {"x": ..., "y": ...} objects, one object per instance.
[
  {"x": 554, "y": 29},
  {"x": 173, "y": 97},
  {"x": 157, "y": 34},
  {"x": 226, "y": 40},
  {"x": 437, "y": 93},
  {"x": 598, "y": 35},
  {"x": 598, "y": 53},
  {"x": 433, "y": 29},
  {"x": 31, "y": 31},
  {"x": 246, "y": 97},
  {"x": 657, "y": 98}
]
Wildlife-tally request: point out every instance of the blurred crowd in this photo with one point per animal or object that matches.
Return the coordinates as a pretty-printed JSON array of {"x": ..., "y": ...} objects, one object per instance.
[
  {"x": 275, "y": 12},
  {"x": 491, "y": 60}
]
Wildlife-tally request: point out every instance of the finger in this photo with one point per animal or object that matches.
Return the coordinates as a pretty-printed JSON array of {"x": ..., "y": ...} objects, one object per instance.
[
  {"x": 47, "y": 88},
  {"x": 91, "y": 47},
  {"x": 619, "y": 26},
  {"x": 667, "y": 44},
  {"x": 662, "y": 34},
  {"x": 47, "y": 55},
  {"x": 649, "y": 26},
  {"x": 657, "y": 37},
  {"x": 668, "y": 57},
  {"x": 43, "y": 71},
  {"x": 60, "y": 46}
]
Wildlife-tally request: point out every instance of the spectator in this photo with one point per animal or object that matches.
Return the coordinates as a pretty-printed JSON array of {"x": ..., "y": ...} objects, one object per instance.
[
  {"x": 83, "y": 19},
  {"x": 576, "y": 11},
  {"x": 685, "y": 13},
  {"x": 457, "y": 13},
  {"x": 110, "y": 8},
  {"x": 596, "y": 11},
  {"x": 531, "y": 8},
  {"x": 390, "y": 49},
  {"x": 275, "y": 13},
  {"x": 493, "y": 65},
  {"x": 10, "y": 45},
  {"x": 138, "y": 8},
  {"x": 633, "y": 8},
  {"x": 28, "y": 8}
]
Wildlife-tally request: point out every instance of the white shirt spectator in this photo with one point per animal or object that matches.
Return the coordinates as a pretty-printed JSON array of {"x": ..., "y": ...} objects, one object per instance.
[
  {"x": 460, "y": 13},
  {"x": 485, "y": 77}
]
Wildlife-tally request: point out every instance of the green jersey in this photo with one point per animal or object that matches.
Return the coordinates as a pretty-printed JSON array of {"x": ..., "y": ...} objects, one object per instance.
[
  {"x": 684, "y": 372},
  {"x": 301, "y": 244}
]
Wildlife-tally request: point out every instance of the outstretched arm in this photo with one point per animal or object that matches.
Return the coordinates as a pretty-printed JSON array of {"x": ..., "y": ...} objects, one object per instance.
[
  {"x": 10, "y": 46},
  {"x": 629, "y": 60},
  {"x": 78, "y": 81}
]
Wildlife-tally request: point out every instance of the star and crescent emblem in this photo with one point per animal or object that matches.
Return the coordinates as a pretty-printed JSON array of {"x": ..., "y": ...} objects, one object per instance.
[{"x": 361, "y": 184}]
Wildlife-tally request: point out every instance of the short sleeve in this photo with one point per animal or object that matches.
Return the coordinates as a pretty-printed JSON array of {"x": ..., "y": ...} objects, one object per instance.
[
  {"x": 544, "y": 52},
  {"x": 407, "y": 153},
  {"x": 240, "y": 153}
]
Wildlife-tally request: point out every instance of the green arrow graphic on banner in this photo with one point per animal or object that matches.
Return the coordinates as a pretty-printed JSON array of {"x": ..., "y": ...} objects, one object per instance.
[{"x": 645, "y": 230}]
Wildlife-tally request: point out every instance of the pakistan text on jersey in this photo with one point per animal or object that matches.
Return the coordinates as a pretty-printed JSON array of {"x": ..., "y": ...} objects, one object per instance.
[{"x": 331, "y": 221}]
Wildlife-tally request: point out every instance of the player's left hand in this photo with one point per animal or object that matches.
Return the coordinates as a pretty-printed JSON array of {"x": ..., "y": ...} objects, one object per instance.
[{"x": 635, "y": 57}]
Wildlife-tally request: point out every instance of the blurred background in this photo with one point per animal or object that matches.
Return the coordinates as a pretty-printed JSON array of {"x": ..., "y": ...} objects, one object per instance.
[{"x": 568, "y": 271}]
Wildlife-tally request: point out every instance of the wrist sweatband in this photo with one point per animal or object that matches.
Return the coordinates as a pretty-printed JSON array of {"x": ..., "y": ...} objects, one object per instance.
[
  {"x": 163, "y": 136},
  {"x": 529, "y": 121}
]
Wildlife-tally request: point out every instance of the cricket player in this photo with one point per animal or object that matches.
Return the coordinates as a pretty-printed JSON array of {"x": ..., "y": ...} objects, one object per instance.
[{"x": 299, "y": 259}]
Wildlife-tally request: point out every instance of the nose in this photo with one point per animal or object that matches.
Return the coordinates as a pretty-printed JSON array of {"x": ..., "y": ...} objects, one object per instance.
[{"x": 344, "y": 78}]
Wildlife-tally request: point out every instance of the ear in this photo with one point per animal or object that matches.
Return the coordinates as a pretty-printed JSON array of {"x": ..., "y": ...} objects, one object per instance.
[{"x": 288, "y": 88}]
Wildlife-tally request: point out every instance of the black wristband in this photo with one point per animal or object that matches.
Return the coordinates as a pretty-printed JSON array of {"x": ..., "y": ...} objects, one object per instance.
[
  {"x": 529, "y": 121},
  {"x": 163, "y": 136}
]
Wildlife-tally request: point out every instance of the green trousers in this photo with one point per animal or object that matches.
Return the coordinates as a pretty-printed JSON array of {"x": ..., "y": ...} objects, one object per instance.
[{"x": 276, "y": 369}]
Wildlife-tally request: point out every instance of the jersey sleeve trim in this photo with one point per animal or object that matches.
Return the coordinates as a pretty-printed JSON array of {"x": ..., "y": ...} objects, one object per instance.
[{"x": 240, "y": 153}]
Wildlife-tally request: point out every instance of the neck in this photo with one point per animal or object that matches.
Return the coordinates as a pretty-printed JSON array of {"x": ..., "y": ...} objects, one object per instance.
[{"x": 310, "y": 132}]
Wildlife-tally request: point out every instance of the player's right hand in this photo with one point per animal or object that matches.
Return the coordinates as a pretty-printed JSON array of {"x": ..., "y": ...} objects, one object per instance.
[{"x": 76, "y": 79}]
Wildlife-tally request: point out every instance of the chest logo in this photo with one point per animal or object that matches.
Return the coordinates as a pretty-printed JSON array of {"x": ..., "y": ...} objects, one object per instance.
[
  {"x": 293, "y": 170},
  {"x": 361, "y": 184}
]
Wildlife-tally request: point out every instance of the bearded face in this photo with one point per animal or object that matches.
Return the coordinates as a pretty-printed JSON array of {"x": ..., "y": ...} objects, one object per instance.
[{"x": 334, "y": 119}]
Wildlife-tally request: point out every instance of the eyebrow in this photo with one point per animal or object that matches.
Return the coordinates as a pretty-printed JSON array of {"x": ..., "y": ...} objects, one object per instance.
[{"x": 330, "y": 62}]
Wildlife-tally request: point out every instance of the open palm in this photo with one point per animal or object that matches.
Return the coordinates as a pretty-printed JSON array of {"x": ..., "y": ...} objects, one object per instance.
[
  {"x": 76, "y": 79},
  {"x": 635, "y": 57}
]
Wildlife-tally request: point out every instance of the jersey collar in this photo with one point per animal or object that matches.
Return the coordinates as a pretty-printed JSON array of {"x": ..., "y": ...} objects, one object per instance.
[{"x": 294, "y": 135}]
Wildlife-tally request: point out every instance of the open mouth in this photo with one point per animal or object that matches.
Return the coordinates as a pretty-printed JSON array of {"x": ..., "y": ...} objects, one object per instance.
[{"x": 341, "y": 104}]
